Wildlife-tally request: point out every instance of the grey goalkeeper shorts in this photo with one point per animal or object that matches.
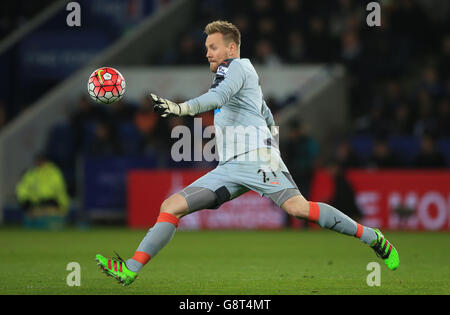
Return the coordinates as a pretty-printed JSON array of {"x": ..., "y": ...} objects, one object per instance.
[{"x": 262, "y": 171}]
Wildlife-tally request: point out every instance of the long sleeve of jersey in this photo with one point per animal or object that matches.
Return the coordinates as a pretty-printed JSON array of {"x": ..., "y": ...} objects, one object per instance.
[
  {"x": 222, "y": 90},
  {"x": 267, "y": 114}
]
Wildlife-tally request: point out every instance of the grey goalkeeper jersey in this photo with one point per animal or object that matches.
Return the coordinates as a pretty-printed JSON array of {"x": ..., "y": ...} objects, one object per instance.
[{"x": 242, "y": 118}]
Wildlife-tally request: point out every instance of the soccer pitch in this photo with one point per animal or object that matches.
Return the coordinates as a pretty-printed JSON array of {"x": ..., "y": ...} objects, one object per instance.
[{"x": 224, "y": 262}]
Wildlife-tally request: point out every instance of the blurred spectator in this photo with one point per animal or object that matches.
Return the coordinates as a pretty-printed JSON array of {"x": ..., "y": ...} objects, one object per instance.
[
  {"x": 430, "y": 83},
  {"x": 211, "y": 10},
  {"x": 301, "y": 152},
  {"x": 402, "y": 122},
  {"x": 105, "y": 141},
  {"x": 42, "y": 191},
  {"x": 380, "y": 48},
  {"x": 382, "y": 156},
  {"x": 426, "y": 119},
  {"x": 145, "y": 131},
  {"x": 429, "y": 157},
  {"x": 444, "y": 59},
  {"x": 392, "y": 95},
  {"x": 242, "y": 22},
  {"x": 351, "y": 51},
  {"x": 83, "y": 115},
  {"x": 346, "y": 156},
  {"x": 347, "y": 17},
  {"x": 374, "y": 123},
  {"x": 207, "y": 119},
  {"x": 443, "y": 118},
  {"x": 145, "y": 118},
  {"x": 343, "y": 196},
  {"x": 411, "y": 34},
  {"x": 265, "y": 54},
  {"x": 260, "y": 9},
  {"x": 293, "y": 16},
  {"x": 206, "y": 149},
  {"x": 159, "y": 142},
  {"x": 296, "y": 50},
  {"x": 330, "y": 185},
  {"x": 266, "y": 29},
  {"x": 120, "y": 112},
  {"x": 321, "y": 47},
  {"x": 188, "y": 52}
]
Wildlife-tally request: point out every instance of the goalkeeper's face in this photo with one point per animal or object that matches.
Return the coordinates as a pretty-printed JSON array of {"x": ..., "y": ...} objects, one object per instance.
[{"x": 217, "y": 50}]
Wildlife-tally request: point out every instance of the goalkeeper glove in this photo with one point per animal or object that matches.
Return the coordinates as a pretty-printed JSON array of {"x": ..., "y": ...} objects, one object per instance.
[
  {"x": 275, "y": 135},
  {"x": 168, "y": 108},
  {"x": 274, "y": 131}
]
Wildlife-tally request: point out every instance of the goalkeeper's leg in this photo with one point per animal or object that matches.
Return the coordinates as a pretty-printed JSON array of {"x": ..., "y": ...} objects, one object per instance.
[
  {"x": 331, "y": 218},
  {"x": 158, "y": 236},
  {"x": 208, "y": 192},
  {"x": 327, "y": 217},
  {"x": 172, "y": 209}
]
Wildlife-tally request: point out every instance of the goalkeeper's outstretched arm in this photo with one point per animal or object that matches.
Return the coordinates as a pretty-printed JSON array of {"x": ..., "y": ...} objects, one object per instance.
[{"x": 223, "y": 89}]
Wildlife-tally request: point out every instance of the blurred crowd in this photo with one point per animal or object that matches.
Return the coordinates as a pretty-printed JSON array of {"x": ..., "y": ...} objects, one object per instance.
[
  {"x": 399, "y": 86},
  {"x": 399, "y": 83},
  {"x": 399, "y": 71},
  {"x": 122, "y": 130},
  {"x": 126, "y": 129}
]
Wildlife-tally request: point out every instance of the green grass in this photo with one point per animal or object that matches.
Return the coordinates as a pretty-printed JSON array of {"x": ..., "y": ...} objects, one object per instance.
[{"x": 224, "y": 262}]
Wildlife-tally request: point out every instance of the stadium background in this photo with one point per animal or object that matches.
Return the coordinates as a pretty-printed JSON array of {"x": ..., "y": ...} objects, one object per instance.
[
  {"x": 354, "y": 103},
  {"x": 364, "y": 118}
]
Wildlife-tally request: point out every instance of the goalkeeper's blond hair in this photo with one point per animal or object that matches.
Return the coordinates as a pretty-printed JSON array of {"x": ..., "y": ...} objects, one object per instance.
[{"x": 229, "y": 31}]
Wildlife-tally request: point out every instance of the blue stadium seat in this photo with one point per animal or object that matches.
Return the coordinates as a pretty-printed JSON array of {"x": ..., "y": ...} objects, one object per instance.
[
  {"x": 60, "y": 148},
  {"x": 88, "y": 135},
  {"x": 362, "y": 145},
  {"x": 60, "y": 145},
  {"x": 130, "y": 138},
  {"x": 443, "y": 146},
  {"x": 405, "y": 147}
]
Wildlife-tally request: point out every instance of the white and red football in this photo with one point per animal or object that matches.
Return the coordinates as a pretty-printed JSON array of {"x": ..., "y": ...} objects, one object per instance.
[{"x": 106, "y": 85}]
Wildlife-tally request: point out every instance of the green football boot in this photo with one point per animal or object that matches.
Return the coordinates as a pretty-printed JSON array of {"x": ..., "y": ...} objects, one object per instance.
[
  {"x": 384, "y": 249},
  {"x": 116, "y": 268}
]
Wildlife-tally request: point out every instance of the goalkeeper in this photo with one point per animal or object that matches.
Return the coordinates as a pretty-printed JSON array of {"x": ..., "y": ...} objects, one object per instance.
[{"x": 245, "y": 162}]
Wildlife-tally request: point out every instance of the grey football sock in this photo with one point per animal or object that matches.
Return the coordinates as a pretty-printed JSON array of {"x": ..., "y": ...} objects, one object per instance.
[
  {"x": 157, "y": 237},
  {"x": 333, "y": 219}
]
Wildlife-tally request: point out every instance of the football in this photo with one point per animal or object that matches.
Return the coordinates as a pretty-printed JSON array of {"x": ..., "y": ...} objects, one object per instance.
[{"x": 106, "y": 85}]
